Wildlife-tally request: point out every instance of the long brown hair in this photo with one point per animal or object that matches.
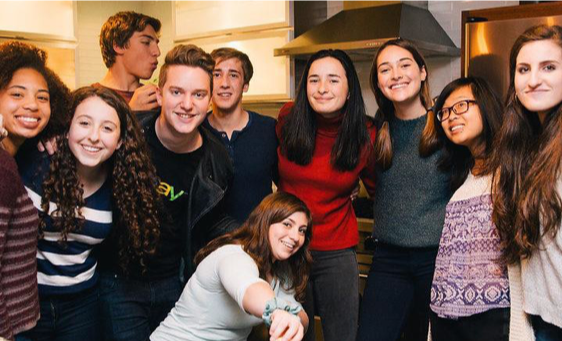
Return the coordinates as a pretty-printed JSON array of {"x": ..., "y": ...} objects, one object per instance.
[
  {"x": 429, "y": 143},
  {"x": 527, "y": 163},
  {"x": 133, "y": 178},
  {"x": 253, "y": 235}
]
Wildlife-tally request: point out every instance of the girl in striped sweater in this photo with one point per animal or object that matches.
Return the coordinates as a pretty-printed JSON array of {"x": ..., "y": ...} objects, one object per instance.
[{"x": 99, "y": 183}]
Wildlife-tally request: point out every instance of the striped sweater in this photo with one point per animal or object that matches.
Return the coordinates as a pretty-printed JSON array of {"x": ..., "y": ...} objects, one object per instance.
[
  {"x": 19, "y": 302},
  {"x": 67, "y": 268}
]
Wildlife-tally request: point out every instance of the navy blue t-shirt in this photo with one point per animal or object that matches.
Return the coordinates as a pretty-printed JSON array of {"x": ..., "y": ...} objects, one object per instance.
[{"x": 253, "y": 151}]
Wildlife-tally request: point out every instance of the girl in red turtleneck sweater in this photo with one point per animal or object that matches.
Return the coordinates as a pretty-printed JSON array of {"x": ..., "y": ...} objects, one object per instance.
[{"x": 325, "y": 147}]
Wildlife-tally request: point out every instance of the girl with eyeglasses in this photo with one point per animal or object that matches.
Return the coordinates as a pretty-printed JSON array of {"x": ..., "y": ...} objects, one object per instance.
[
  {"x": 470, "y": 294},
  {"x": 409, "y": 203},
  {"x": 528, "y": 197}
]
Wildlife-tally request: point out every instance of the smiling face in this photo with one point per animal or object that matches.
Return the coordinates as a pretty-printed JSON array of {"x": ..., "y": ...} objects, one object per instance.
[
  {"x": 184, "y": 99},
  {"x": 139, "y": 56},
  {"x": 399, "y": 76},
  {"x": 464, "y": 129},
  {"x": 287, "y": 236},
  {"x": 228, "y": 84},
  {"x": 538, "y": 76},
  {"x": 94, "y": 133},
  {"x": 25, "y": 106},
  {"x": 326, "y": 87}
]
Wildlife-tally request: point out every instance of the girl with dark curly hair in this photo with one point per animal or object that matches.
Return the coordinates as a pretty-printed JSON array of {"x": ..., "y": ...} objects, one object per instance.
[
  {"x": 100, "y": 182},
  {"x": 32, "y": 103},
  {"x": 258, "y": 273}
]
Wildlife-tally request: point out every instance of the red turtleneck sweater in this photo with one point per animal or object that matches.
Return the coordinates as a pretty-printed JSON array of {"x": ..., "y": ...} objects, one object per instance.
[{"x": 325, "y": 190}]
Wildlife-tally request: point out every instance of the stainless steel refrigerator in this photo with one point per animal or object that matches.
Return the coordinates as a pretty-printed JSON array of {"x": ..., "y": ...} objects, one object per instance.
[{"x": 489, "y": 34}]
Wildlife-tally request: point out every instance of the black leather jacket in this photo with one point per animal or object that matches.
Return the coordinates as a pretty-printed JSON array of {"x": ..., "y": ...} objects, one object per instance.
[{"x": 206, "y": 216}]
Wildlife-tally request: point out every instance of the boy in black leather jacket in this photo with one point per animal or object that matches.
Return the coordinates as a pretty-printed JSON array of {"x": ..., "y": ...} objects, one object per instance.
[{"x": 195, "y": 172}]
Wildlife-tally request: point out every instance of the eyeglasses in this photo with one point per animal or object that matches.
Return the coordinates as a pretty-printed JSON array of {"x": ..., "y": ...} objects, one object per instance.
[{"x": 458, "y": 108}]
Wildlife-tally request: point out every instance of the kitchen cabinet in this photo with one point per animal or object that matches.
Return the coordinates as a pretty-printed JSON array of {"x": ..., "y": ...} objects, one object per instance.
[
  {"x": 270, "y": 80},
  {"x": 49, "y": 25},
  {"x": 195, "y": 19},
  {"x": 253, "y": 27}
]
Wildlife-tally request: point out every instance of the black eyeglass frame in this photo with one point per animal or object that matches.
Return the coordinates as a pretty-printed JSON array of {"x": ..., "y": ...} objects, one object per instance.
[{"x": 440, "y": 116}]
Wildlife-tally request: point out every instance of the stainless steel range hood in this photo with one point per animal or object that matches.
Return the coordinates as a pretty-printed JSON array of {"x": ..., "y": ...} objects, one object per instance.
[{"x": 360, "y": 32}]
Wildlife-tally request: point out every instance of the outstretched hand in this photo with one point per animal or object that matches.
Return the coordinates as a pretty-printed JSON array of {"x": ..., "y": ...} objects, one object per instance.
[{"x": 285, "y": 327}]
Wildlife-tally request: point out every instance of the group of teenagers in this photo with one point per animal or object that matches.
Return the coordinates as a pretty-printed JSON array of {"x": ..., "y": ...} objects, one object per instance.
[{"x": 130, "y": 212}]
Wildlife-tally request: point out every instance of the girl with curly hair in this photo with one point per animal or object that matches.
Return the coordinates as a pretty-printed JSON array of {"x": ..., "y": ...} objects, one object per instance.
[
  {"x": 99, "y": 183},
  {"x": 32, "y": 103},
  {"x": 528, "y": 194},
  {"x": 255, "y": 274}
]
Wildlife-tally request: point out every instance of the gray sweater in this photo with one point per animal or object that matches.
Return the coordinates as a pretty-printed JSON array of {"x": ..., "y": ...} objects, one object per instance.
[{"x": 410, "y": 200}]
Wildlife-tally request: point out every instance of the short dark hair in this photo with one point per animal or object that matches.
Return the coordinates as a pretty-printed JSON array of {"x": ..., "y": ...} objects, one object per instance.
[
  {"x": 225, "y": 53},
  {"x": 188, "y": 55},
  {"x": 16, "y": 55},
  {"x": 119, "y": 28}
]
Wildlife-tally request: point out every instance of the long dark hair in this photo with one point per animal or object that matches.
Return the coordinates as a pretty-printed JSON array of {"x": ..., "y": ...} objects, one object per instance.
[
  {"x": 253, "y": 235},
  {"x": 133, "y": 178},
  {"x": 528, "y": 164},
  {"x": 298, "y": 133},
  {"x": 458, "y": 159},
  {"x": 429, "y": 143}
]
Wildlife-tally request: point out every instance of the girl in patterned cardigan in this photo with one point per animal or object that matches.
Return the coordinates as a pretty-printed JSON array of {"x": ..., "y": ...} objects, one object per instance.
[{"x": 470, "y": 294}]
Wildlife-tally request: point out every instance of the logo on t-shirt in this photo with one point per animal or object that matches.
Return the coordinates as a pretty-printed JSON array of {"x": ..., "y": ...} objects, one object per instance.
[{"x": 168, "y": 191}]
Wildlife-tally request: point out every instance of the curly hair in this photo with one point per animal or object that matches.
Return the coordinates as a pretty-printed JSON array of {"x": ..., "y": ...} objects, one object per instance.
[
  {"x": 133, "y": 179},
  {"x": 119, "y": 28},
  {"x": 16, "y": 55},
  {"x": 253, "y": 235}
]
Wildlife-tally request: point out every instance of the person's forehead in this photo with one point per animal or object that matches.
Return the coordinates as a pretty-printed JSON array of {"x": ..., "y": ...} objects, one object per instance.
[
  {"x": 148, "y": 32},
  {"x": 187, "y": 77},
  {"x": 232, "y": 63}
]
